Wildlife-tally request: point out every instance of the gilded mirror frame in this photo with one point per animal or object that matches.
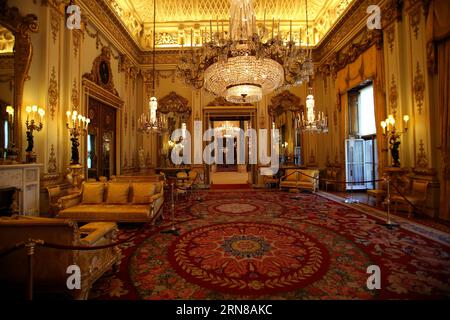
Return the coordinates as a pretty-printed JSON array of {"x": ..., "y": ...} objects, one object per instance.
[{"x": 21, "y": 26}]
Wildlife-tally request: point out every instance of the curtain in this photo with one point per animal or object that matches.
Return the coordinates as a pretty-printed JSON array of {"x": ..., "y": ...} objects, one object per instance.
[{"x": 438, "y": 33}]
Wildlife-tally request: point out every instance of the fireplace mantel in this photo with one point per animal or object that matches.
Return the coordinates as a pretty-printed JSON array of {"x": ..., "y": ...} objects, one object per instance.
[{"x": 26, "y": 178}]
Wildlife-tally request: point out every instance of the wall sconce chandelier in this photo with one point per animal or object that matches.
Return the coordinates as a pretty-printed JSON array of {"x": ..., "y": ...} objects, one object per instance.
[
  {"x": 32, "y": 125},
  {"x": 244, "y": 63},
  {"x": 393, "y": 136},
  {"x": 77, "y": 125},
  {"x": 313, "y": 122}
]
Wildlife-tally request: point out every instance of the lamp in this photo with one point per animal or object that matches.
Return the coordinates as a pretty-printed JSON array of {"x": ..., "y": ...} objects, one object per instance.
[
  {"x": 312, "y": 122},
  {"x": 243, "y": 64},
  {"x": 77, "y": 125},
  {"x": 149, "y": 121},
  {"x": 393, "y": 136},
  {"x": 31, "y": 123}
]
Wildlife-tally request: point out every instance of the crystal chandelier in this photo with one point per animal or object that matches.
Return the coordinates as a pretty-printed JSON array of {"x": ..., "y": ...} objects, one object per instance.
[
  {"x": 245, "y": 63},
  {"x": 150, "y": 121},
  {"x": 313, "y": 122}
]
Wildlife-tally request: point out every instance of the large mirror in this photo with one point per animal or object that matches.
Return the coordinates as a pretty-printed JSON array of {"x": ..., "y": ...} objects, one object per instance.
[
  {"x": 15, "y": 58},
  {"x": 283, "y": 111},
  {"x": 176, "y": 113},
  {"x": 6, "y": 89}
]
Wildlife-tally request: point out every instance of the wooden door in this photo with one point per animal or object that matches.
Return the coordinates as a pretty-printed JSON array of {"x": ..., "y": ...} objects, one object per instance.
[{"x": 101, "y": 155}]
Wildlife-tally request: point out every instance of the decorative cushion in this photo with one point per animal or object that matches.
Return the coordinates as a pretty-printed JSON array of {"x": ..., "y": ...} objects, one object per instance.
[
  {"x": 117, "y": 193},
  {"x": 93, "y": 192},
  {"x": 291, "y": 175},
  {"x": 142, "y": 192}
]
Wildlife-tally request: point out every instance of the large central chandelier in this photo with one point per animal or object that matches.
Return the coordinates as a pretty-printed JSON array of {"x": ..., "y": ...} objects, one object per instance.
[{"x": 245, "y": 63}]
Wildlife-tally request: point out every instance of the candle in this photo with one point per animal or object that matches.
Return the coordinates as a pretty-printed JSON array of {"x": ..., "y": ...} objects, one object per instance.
[
  {"x": 383, "y": 125},
  {"x": 406, "y": 119},
  {"x": 68, "y": 116}
]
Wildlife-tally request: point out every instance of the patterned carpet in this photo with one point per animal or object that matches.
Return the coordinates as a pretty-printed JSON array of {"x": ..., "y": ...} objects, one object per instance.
[{"x": 273, "y": 245}]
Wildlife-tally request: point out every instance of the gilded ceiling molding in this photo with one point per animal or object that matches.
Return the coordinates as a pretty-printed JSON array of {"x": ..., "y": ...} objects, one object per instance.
[
  {"x": 419, "y": 88},
  {"x": 53, "y": 93},
  {"x": 349, "y": 54},
  {"x": 393, "y": 95},
  {"x": 345, "y": 26},
  {"x": 55, "y": 24},
  {"x": 284, "y": 101},
  {"x": 422, "y": 161},
  {"x": 110, "y": 22},
  {"x": 391, "y": 12}
]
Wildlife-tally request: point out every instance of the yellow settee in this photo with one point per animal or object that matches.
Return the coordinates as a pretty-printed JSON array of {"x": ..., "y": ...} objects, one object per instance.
[
  {"x": 300, "y": 179},
  {"x": 50, "y": 266},
  {"x": 114, "y": 201}
]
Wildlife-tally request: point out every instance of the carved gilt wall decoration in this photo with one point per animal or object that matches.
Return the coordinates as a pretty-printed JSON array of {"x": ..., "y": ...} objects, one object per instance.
[
  {"x": 52, "y": 163},
  {"x": 76, "y": 40},
  {"x": 393, "y": 95},
  {"x": 284, "y": 101},
  {"x": 53, "y": 93},
  {"x": 390, "y": 34},
  {"x": 55, "y": 24},
  {"x": 414, "y": 20},
  {"x": 419, "y": 88},
  {"x": 175, "y": 103},
  {"x": 74, "y": 97},
  {"x": 422, "y": 161},
  {"x": 101, "y": 73}
]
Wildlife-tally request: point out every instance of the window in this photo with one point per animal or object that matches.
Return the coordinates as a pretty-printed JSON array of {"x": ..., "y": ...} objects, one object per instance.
[{"x": 366, "y": 112}]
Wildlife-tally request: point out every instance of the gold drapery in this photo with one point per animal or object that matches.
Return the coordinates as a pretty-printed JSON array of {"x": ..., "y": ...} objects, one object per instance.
[
  {"x": 369, "y": 65},
  {"x": 438, "y": 32}
]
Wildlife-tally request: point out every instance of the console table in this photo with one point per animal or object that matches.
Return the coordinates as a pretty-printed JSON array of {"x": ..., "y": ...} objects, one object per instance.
[{"x": 24, "y": 177}]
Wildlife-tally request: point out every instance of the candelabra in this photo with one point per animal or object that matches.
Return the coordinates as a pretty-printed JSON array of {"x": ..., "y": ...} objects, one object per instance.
[
  {"x": 393, "y": 136},
  {"x": 77, "y": 125},
  {"x": 313, "y": 122},
  {"x": 32, "y": 125}
]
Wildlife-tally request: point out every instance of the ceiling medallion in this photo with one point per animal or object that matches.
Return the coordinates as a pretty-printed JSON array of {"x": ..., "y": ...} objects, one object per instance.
[{"x": 244, "y": 64}]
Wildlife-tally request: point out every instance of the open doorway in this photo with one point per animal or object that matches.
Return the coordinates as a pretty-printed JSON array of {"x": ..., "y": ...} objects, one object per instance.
[{"x": 360, "y": 148}]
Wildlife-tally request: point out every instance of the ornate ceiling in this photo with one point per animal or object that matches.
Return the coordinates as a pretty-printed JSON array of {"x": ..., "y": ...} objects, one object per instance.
[{"x": 175, "y": 18}]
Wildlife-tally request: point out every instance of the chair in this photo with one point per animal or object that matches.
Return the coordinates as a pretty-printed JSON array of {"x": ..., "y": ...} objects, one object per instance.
[
  {"x": 300, "y": 179},
  {"x": 54, "y": 194},
  {"x": 331, "y": 177},
  {"x": 50, "y": 265},
  {"x": 417, "y": 197},
  {"x": 269, "y": 178},
  {"x": 378, "y": 194}
]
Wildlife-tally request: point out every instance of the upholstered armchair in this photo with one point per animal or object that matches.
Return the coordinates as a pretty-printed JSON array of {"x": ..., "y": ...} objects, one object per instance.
[
  {"x": 300, "y": 179},
  {"x": 417, "y": 197},
  {"x": 50, "y": 265}
]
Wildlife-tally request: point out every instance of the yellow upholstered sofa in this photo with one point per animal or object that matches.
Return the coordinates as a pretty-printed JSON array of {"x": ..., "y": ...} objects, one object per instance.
[
  {"x": 140, "y": 201},
  {"x": 300, "y": 179},
  {"x": 50, "y": 265}
]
